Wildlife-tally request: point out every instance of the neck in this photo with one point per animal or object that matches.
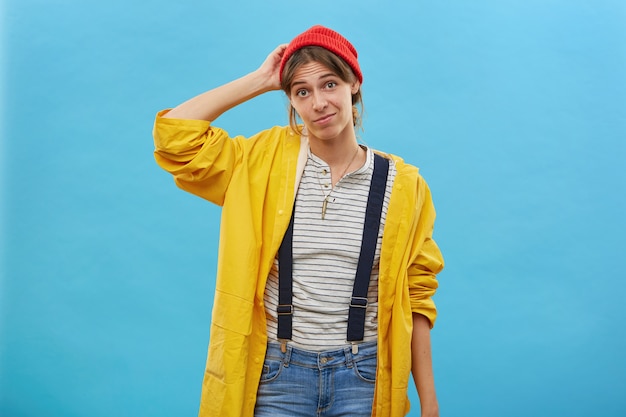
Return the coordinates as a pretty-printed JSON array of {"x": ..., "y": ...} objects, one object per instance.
[
  {"x": 335, "y": 152},
  {"x": 341, "y": 157}
]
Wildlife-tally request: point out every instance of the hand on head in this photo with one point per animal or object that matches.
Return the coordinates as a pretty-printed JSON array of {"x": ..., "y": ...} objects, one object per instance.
[{"x": 271, "y": 66}]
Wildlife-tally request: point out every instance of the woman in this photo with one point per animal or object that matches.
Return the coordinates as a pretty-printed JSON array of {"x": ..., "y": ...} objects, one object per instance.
[{"x": 305, "y": 210}]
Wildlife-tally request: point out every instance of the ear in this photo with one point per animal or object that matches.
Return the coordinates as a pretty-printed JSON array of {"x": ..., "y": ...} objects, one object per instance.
[
  {"x": 292, "y": 111},
  {"x": 292, "y": 108},
  {"x": 354, "y": 87}
]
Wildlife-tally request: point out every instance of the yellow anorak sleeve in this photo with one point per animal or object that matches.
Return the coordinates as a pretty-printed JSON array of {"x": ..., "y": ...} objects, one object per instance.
[
  {"x": 202, "y": 158},
  {"x": 427, "y": 260}
]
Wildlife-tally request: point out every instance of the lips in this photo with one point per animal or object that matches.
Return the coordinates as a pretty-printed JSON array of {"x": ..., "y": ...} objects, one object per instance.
[{"x": 324, "y": 119}]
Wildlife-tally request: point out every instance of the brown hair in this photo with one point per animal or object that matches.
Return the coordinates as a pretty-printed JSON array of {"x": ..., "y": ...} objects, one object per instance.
[{"x": 331, "y": 61}]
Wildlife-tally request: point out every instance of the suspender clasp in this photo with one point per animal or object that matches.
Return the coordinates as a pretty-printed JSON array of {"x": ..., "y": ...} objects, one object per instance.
[
  {"x": 360, "y": 302},
  {"x": 284, "y": 309}
]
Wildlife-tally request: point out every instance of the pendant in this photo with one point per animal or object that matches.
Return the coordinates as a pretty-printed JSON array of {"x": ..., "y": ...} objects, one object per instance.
[{"x": 324, "y": 204}]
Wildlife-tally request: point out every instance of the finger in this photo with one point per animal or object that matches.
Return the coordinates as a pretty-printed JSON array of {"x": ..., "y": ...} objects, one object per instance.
[{"x": 280, "y": 50}]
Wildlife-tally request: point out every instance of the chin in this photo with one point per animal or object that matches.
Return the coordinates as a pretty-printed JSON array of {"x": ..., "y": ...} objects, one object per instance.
[
  {"x": 328, "y": 133},
  {"x": 324, "y": 135}
]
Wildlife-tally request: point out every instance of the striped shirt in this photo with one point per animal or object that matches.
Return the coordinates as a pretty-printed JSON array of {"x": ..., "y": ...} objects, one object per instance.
[{"x": 325, "y": 256}]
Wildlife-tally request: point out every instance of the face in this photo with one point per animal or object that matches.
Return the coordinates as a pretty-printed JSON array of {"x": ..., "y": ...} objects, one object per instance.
[{"x": 323, "y": 101}]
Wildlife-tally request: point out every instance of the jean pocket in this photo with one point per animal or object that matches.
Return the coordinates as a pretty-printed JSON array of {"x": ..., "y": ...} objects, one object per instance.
[
  {"x": 271, "y": 370},
  {"x": 366, "y": 369}
]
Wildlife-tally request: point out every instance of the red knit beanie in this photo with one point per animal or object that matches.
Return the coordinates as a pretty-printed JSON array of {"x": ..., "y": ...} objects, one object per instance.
[{"x": 328, "y": 39}]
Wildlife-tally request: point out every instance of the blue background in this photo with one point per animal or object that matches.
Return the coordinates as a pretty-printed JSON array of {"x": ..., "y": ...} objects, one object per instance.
[{"x": 515, "y": 111}]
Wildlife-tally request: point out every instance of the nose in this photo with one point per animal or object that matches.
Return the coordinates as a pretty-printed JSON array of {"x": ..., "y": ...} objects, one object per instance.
[{"x": 319, "y": 102}]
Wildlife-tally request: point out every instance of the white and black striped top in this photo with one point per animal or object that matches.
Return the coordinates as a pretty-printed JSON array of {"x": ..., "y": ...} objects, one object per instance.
[{"x": 325, "y": 256}]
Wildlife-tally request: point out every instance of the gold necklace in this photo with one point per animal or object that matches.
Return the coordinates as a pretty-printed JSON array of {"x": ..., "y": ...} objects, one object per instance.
[{"x": 325, "y": 202}]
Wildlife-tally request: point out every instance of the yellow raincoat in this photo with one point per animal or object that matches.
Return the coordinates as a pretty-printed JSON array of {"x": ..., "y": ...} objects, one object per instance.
[{"x": 255, "y": 180}]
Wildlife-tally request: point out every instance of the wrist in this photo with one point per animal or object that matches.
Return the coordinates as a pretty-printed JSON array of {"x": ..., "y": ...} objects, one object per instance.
[
  {"x": 264, "y": 81},
  {"x": 430, "y": 411},
  {"x": 429, "y": 406}
]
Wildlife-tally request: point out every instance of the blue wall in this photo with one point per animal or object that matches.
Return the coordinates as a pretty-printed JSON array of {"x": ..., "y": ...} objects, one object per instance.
[{"x": 513, "y": 109}]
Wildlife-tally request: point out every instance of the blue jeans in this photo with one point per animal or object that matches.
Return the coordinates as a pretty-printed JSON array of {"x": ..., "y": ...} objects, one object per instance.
[{"x": 317, "y": 384}]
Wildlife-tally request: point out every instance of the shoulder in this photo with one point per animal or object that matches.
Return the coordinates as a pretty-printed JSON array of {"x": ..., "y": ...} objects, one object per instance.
[
  {"x": 272, "y": 134},
  {"x": 403, "y": 168},
  {"x": 407, "y": 178},
  {"x": 271, "y": 140},
  {"x": 276, "y": 131}
]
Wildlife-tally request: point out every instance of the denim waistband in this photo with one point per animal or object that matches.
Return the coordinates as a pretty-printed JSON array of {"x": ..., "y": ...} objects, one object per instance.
[{"x": 324, "y": 359}]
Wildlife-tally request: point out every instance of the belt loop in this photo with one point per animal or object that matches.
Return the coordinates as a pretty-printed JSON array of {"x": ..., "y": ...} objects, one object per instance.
[
  {"x": 287, "y": 357},
  {"x": 347, "y": 351}
]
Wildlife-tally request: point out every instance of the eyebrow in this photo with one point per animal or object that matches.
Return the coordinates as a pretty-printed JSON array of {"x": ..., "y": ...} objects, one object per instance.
[{"x": 327, "y": 75}]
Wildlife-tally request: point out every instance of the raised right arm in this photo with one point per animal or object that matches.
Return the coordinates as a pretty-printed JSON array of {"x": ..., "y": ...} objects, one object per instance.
[{"x": 211, "y": 104}]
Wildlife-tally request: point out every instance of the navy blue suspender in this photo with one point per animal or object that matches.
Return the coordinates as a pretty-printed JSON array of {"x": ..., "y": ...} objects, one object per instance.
[
  {"x": 358, "y": 302},
  {"x": 285, "y": 283}
]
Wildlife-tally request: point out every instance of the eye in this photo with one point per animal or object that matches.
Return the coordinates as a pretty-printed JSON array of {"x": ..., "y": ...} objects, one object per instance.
[
  {"x": 331, "y": 84},
  {"x": 302, "y": 93}
]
